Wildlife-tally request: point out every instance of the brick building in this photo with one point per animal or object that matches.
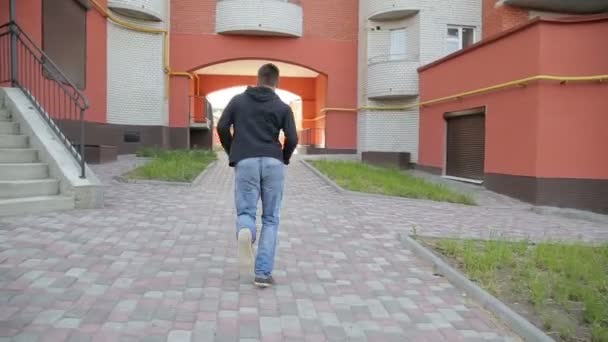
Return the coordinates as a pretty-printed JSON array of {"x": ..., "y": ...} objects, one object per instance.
[
  {"x": 147, "y": 65},
  {"x": 523, "y": 111},
  {"x": 395, "y": 38},
  {"x": 360, "y": 69}
]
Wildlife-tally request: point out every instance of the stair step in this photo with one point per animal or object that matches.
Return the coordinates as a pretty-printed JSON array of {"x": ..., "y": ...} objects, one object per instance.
[
  {"x": 7, "y": 127},
  {"x": 29, "y": 188},
  {"x": 35, "y": 205},
  {"x": 25, "y": 171},
  {"x": 18, "y": 155},
  {"x": 13, "y": 141}
]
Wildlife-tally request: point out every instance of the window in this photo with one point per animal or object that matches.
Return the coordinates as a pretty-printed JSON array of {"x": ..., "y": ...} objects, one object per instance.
[
  {"x": 64, "y": 37},
  {"x": 459, "y": 37},
  {"x": 398, "y": 42}
]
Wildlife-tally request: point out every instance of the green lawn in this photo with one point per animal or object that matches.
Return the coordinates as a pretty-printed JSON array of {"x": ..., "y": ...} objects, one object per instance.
[
  {"x": 360, "y": 177},
  {"x": 564, "y": 286},
  {"x": 173, "y": 166}
]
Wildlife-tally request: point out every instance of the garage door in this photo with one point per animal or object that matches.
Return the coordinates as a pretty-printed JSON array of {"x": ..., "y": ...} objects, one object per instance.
[{"x": 466, "y": 146}]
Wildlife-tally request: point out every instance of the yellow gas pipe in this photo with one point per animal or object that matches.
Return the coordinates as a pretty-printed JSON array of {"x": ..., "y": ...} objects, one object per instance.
[
  {"x": 167, "y": 68},
  {"x": 519, "y": 82}
]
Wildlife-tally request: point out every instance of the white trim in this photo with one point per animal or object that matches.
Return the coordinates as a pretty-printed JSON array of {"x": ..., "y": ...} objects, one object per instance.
[
  {"x": 466, "y": 180},
  {"x": 460, "y": 29}
]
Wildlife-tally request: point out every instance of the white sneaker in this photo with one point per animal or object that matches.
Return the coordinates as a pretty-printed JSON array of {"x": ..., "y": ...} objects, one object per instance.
[{"x": 245, "y": 253}]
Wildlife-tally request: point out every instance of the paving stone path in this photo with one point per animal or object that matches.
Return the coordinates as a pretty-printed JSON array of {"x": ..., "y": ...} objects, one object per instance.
[{"x": 158, "y": 264}]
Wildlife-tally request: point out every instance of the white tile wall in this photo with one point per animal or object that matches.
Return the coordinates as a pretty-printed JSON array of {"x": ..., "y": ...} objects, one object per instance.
[
  {"x": 258, "y": 17},
  {"x": 398, "y": 131},
  {"x": 155, "y": 8},
  {"x": 136, "y": 79},
  {"x": 389, "y": 131},
  {"x": 392, "y": 78}
]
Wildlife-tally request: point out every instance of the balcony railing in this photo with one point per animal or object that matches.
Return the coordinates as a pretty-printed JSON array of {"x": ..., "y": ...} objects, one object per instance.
[
  {"x": 312, "y": 137},
  {"x": 392, "y": 58},
  {"x": 200, "y": 111},
  {"x": 392, "y": 76},
  {"x": 151, "y": 10},
  {"x": 563, "y": 6},
  {"x": 381, "y": 10},
  {"x": 259, "y": 17}
]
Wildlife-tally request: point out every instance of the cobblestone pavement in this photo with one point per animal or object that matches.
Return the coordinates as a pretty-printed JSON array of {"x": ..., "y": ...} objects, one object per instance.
[{"x": 158, "y": 264}]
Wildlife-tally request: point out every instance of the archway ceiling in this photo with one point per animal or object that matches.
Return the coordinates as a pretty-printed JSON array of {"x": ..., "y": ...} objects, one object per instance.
[{"x": 249, "y": 67}]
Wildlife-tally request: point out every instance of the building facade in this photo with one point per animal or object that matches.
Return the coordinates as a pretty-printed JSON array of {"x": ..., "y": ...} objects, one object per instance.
[
  {"x": 147, "y": 65},
  {"x": 396, "y": 37},
  {"x": 523, "y": 111},
  {"x": 361, "y": 69}
]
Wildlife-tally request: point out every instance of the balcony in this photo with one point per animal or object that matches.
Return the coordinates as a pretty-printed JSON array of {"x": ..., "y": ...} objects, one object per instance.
[
  {"x": 283, "y": 18},
  {"x": 382, "y": 10},
  {"x": 563, "y": 6},
  {"x": 149, "y": 10},
  {"x": 392, "y": 77}
]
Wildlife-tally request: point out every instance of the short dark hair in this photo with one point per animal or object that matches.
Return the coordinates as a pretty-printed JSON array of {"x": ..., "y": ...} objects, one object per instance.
[{"x": 268, "y": 75}]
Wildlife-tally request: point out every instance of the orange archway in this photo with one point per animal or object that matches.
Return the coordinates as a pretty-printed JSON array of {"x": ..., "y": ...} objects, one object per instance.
[{"x": 310, "y": 85}]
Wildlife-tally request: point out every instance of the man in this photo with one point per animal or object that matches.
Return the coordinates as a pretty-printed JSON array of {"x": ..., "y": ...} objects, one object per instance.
[{"x": 257, "y": 116}]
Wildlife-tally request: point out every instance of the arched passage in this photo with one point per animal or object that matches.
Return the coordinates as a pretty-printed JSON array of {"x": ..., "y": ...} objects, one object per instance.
[
  {"x": 309, "y": 85},
  {"x": 220, "y": 98}
]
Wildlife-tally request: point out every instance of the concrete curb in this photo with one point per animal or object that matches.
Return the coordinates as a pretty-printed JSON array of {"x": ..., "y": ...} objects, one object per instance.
[
  {"x": 514, "y": 321},
  {"x": 329, "y": 182},
  {"x": 195, "y": 182}
]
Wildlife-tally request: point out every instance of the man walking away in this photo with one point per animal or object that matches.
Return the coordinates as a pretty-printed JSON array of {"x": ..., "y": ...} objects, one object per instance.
[{"x": 257, "y": 116}]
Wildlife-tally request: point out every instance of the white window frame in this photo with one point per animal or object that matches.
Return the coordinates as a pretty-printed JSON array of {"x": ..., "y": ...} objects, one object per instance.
[
  {"x": 393, "y": 56},
  {"x": 460, "y": 28}
]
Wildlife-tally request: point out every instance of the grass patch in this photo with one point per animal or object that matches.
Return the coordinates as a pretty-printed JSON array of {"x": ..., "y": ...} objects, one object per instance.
[
  {"x": 562, "y": 288},
  {"x": 361, "y": 177},
  {"x": 172, "y": 166}
]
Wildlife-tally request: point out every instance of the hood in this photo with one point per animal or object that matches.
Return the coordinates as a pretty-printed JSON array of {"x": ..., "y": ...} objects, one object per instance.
[{"x": 261, "y": 94}]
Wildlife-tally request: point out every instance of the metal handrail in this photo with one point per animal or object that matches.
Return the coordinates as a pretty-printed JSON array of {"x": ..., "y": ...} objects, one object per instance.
[
  {"x": 311, "y": 136},
  {"x": 397, "y": 57},
  {"x": 53, "y": 94},
  {"x": 205, "y": 107}
]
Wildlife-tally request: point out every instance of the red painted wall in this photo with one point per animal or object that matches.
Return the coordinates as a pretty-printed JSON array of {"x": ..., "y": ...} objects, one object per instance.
[
  {"x": 541, "y": 130},
  {"x": 573, "y": 137},
  {"x": 480, "y": 68},
  {"x": 329, "y": 46},
  {"x": 29, "y": 17}
]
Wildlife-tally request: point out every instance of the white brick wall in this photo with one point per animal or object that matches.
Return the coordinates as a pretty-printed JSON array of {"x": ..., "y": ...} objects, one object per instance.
[
  {"x": 392, "y": 78},
  {"x": 379, "y": 40},
  {"x": 435, "y": 19},
  {"x": 136, "y": 80},
  {"x": 427, "y": 31},
  {"x": 387, "y": 131},
  {"x": 266, "y": 17},
  {"x": 384, "y": 6},
  {"x": 154, "y": 8}
]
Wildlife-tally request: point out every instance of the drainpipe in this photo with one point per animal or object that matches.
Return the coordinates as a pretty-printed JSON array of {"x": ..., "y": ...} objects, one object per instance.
[{"x": 13, "y": 30}]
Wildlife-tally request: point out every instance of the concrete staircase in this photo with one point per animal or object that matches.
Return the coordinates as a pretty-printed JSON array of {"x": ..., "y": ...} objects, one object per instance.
[{"x": 25, "y": 185}]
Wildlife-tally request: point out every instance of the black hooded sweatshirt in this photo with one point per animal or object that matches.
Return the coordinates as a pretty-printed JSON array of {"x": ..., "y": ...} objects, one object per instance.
[{"x": 257, "y": 115}]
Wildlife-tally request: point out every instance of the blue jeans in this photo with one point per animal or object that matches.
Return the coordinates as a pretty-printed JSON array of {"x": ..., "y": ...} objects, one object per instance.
[{"x": 257, "y": 177}]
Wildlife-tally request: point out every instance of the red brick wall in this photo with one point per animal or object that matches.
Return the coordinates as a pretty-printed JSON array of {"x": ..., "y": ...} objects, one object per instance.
[
  {"x": 331, "y": 19},
  {"x": 193, "y": 16},
  {"x": 498, "y": 18},
  {"x": 325, "y": 19}
]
